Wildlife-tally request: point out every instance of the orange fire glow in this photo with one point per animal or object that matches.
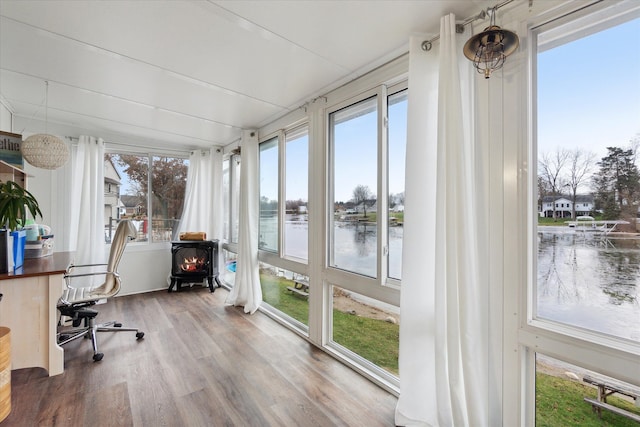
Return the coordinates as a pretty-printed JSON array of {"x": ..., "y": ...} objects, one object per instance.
[{"x": 192, "y": 264}]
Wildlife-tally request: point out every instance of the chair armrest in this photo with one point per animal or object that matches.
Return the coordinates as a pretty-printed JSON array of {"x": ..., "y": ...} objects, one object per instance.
[
  {"x": 72, "y": 266},
  {"x": 97, "y": 273},
  {"x": 68, "y": 277}
]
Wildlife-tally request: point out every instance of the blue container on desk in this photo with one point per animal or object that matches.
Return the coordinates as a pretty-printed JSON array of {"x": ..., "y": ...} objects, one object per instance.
[{"x": 19, "y": 243}]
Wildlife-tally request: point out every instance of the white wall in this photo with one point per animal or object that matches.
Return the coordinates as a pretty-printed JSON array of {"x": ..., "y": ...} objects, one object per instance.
[
  {"x": 145, "y": 268},
  {"x": 5, "y": 118}
]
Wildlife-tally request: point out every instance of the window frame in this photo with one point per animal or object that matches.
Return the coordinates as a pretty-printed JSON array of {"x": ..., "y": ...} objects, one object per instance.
[
  {"x": 379, "y": 94},
  {"x": 575, "y": 22},
  {"x": 295, "y": 131},
  {"x": 149, "y": 155},
  {"x": 391, "y": 91},
  {"x": 363, "y": 284},
  {"x": 614, "y": 357},
  {"x": 278, "y": 258}
]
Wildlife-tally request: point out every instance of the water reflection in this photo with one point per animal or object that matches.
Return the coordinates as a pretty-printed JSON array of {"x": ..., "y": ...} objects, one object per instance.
[
  {"x": 354, "y": 247},
  {"x": 590, "y": 281}
]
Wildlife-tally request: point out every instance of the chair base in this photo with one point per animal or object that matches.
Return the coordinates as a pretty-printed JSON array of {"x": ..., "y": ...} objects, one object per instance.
[{"x": 90, "y": 328}]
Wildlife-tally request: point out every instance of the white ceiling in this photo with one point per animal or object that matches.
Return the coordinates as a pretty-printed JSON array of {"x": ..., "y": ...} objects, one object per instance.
[{"x": 190, "y": 74}]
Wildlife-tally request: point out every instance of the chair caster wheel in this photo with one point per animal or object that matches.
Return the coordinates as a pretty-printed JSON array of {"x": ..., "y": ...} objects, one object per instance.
[
  {"x": 139, "y": 335},
  {"x": 98, "y": 357},
  {"x": 117, "y": 325}
]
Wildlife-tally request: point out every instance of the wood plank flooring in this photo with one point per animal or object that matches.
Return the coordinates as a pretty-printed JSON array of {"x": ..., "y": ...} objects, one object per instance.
[{"x": 201, "y": 363}]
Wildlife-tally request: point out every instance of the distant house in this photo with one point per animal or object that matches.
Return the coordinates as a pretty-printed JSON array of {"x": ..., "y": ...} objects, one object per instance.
[
  {"x": 564, "y": 205},
  {"x": 133, "y": 205},
  {"x": 112, "y": 203}
]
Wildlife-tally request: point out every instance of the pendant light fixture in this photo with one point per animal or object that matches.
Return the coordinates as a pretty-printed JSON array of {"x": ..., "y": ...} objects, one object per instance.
[
  {"x": 43, "y": 150},
  {"x": 489, "y": 49}
]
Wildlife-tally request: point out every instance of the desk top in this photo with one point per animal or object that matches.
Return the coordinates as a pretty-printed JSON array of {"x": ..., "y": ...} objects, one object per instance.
[{"x": 56, "y": 263}]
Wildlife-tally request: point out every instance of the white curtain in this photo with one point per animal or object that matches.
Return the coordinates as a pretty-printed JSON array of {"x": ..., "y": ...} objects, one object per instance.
[
  {"x": 87, "y": 223},
  {"x": 444, "y": 329},
  {"x": 246, "y": 290},
  {"x": 203, "y": 195}
]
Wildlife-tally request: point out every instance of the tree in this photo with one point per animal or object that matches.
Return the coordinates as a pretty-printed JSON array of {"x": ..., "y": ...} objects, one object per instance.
[
  {"x": 551, "y": 166},
  {"x": 543, "y": 190},
  {"x": 360, "y": 195},
  {"x": 618, "y": 183},
  {"x": 168, "y": 181},
  {"x": 396, "y": 199},
  {"x": 293, "y": 206},
  {"x": 581, "y": 163}
]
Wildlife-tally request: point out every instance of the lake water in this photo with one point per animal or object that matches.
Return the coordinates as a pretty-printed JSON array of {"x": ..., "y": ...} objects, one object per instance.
[
  {"x": 590, "y": 281},
  {"x": 584, "y": 280}
]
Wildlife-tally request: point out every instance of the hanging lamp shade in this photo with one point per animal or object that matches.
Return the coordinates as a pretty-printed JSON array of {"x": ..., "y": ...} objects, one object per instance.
[
  {"x": 489, "y": 49},
  {"x": 45, "y": 151}
]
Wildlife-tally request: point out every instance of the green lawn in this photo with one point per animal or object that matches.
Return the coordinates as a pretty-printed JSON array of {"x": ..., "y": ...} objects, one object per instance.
[
  {"x": 559, "y": 403},
  {"x": 275, "y": 293},
  {"x": 375, "y": 340},
  {"x": 559, "y": 221}
]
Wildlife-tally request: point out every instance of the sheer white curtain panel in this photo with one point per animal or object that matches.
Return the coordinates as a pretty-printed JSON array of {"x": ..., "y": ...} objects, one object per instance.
[
  {"x": 444, "y": 309},
  {"x": 86, "y": 231},
  {"x": 246, "y": 291},
  {"x": 203, "y": 196}
]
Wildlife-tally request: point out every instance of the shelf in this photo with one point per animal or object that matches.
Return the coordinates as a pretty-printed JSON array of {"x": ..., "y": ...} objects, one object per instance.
[{"x": 11, "y": 173}]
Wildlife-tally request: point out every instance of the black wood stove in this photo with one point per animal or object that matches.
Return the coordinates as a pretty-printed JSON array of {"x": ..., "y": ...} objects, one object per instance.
[{"x": 193, "y": 261}]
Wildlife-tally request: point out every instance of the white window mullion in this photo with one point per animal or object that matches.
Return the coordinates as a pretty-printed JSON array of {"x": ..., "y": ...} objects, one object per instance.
[{"x": 383, "y": 186}]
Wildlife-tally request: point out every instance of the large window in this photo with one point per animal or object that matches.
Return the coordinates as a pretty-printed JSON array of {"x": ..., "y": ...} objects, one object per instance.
[
  {"x": 269, "y": 195},
  {"x": 296, "y": 230},
  {"x": 584, "y": 279},
  {"x": 397, "y": 144},
  {"x": 588, "y": 135},
  {"x": 151, "y": 194},
  {"x": 231, "y": 197},
  {"x": 367, "y": 146},
  {"x": 284, "y": 225},
  {"x": 231, "y": 216},
  {"x": 354, "y": 145},
  {"x": 292, "y": 180},
  {"x": 366, "y": 230}
]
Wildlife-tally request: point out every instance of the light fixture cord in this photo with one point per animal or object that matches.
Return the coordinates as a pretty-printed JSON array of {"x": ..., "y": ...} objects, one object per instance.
[
  {"x": 492, "y": 15},
  {"x": 46, "y": 106}
]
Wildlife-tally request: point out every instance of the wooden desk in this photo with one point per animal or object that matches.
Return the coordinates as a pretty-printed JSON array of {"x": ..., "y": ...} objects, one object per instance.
[{"x": 28, "y": 308}]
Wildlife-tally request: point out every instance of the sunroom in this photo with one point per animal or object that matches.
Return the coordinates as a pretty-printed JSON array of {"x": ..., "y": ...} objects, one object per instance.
[{"x": 370, "y": 187}]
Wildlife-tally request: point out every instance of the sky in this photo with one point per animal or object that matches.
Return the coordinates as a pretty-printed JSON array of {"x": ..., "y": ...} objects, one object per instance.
[
  {"x": 589, "y": 91},
  {"x": 356, "y": 158}
]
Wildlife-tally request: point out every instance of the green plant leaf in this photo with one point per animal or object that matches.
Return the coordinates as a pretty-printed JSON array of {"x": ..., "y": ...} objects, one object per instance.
[{"x": 15, "y": 201}]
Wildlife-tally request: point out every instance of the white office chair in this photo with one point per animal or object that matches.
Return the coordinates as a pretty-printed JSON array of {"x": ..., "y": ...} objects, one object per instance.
[{"x": 75, "y": 301}]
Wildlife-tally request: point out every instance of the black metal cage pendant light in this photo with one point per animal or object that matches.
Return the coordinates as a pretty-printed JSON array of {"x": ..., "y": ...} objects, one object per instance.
[{"x": 489, "y": 49}]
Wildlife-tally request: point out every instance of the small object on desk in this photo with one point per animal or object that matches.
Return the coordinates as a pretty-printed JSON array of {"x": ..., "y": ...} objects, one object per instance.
[
  {"x": 39, "y": 248},
  {"x": 193, "y": 235}
]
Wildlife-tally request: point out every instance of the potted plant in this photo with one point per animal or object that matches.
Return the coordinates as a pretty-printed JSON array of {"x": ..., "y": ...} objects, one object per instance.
[{"x": 15, "y": 202}]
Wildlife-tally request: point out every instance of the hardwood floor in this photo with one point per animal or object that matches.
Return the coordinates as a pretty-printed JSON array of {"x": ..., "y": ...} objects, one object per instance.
[{"x": 200, "y": 363}]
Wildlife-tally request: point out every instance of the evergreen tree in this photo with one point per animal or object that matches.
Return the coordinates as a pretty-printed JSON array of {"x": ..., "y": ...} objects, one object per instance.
[{"x": 617, "y": 184}]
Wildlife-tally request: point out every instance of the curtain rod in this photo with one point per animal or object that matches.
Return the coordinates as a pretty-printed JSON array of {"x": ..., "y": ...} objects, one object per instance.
[
  {"x": 427, "y": 44},
  {"x": 131, "y": 148}
]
